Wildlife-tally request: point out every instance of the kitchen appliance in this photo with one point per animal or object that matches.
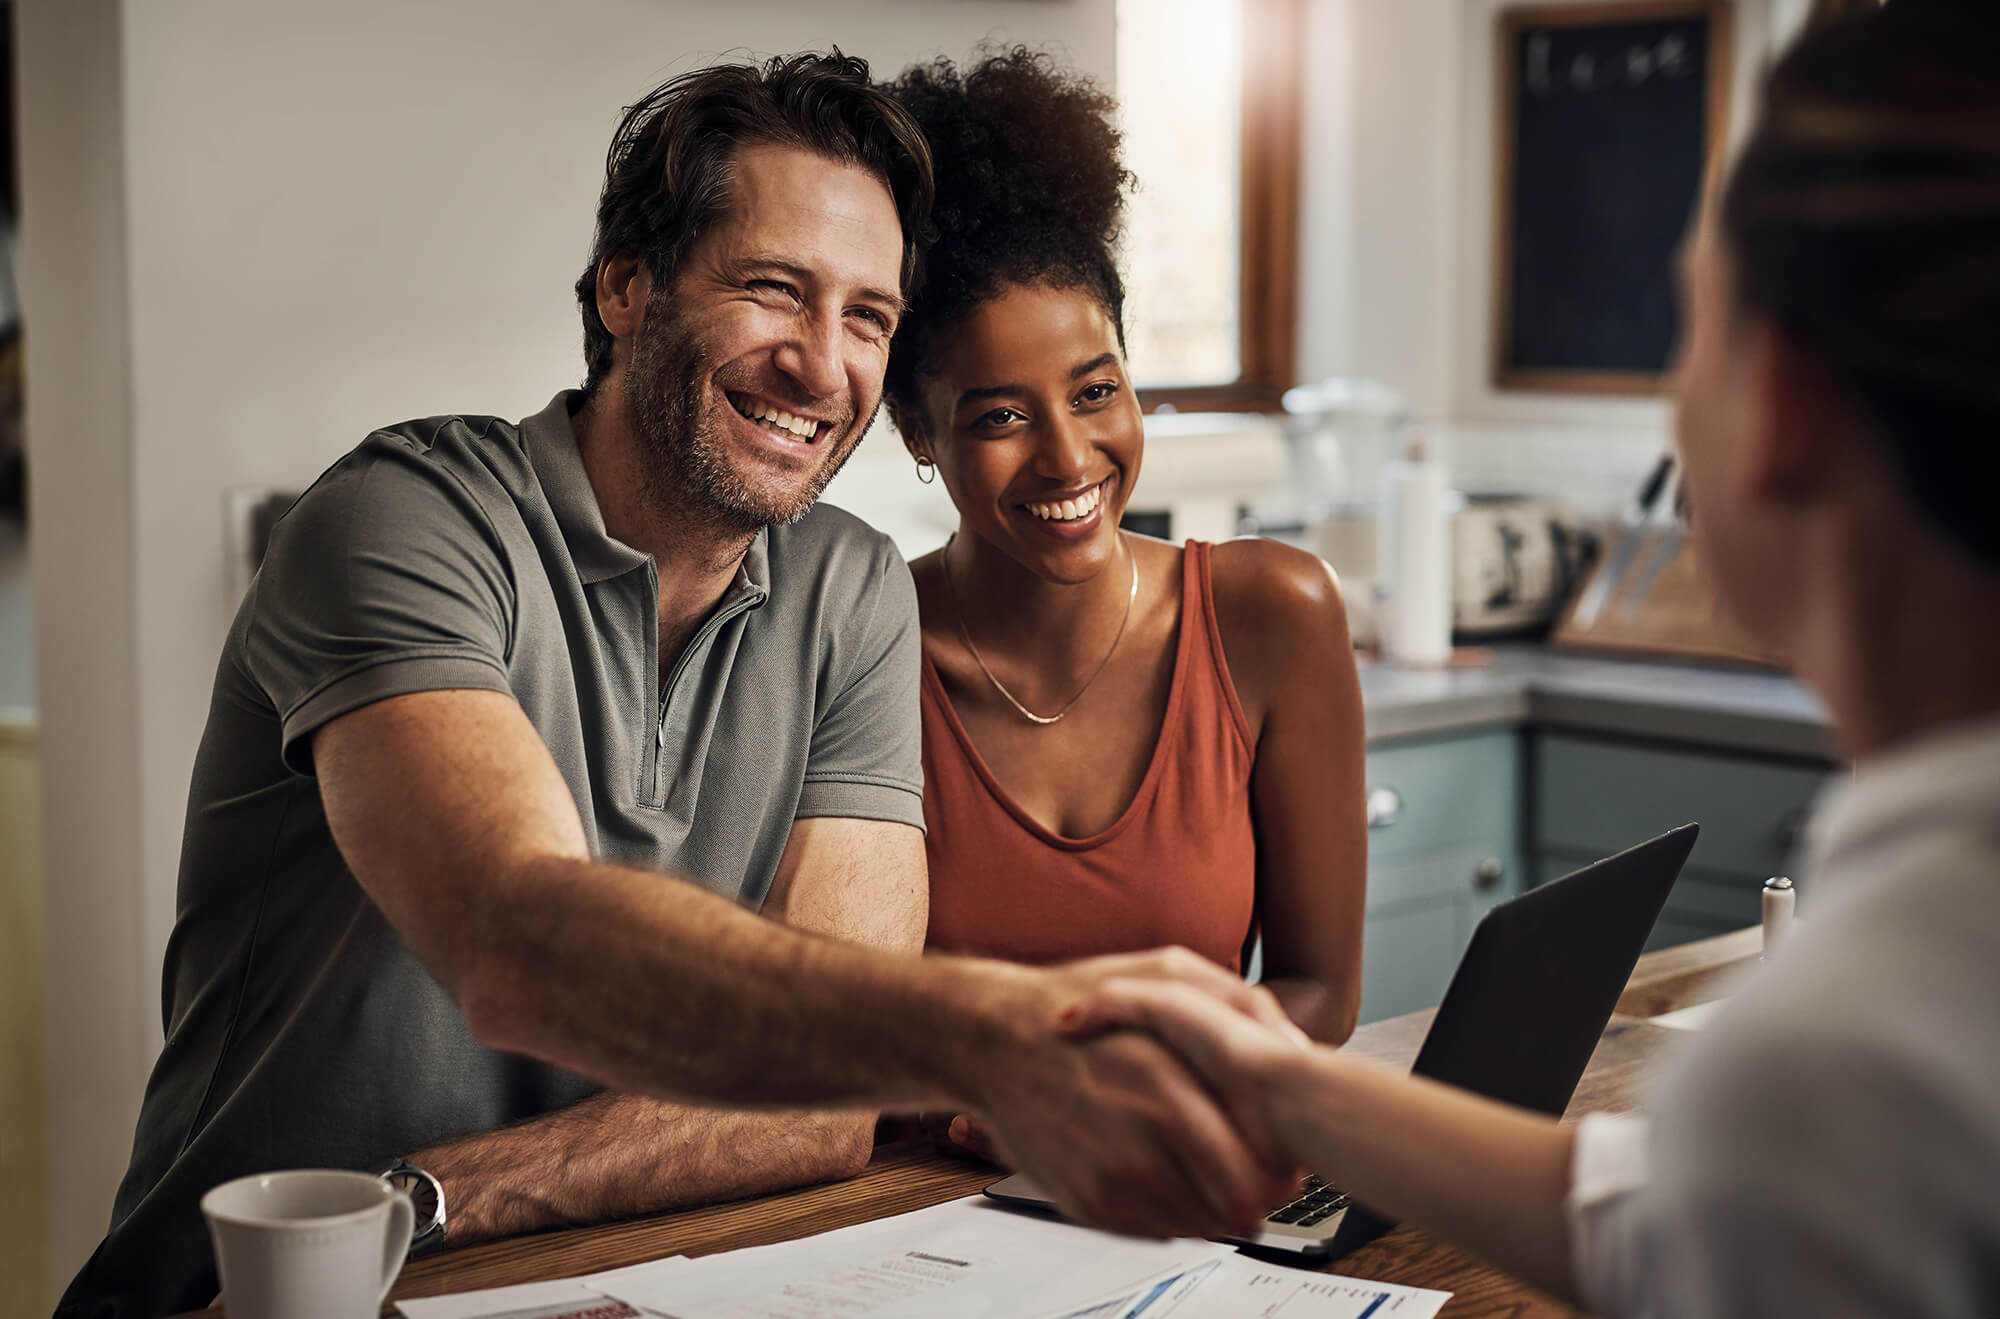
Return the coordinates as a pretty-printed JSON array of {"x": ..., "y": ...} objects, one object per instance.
[
  {"x": 1338, "y": 435},
  {"x": 1514, "y": 562},
  {"x": 1200, "y": 469}
]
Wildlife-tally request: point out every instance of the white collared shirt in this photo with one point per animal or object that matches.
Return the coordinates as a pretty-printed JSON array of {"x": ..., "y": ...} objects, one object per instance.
[{"x": 1829, "y": 1144}]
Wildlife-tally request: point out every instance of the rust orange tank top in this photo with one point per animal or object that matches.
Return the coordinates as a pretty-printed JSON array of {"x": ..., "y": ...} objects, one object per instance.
[{"x": 1178, "y": 866}]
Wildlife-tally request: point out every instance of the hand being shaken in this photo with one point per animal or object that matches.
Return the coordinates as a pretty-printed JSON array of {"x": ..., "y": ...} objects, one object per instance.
[
  {"x": 1248, "y": 1061},
  {"x": 965, "y": 1133},
  {"x": 1113, "y": 1124}
]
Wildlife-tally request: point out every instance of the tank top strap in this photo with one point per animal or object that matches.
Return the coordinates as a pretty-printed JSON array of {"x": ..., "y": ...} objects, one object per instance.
[{"x": 1199, "y": 621}]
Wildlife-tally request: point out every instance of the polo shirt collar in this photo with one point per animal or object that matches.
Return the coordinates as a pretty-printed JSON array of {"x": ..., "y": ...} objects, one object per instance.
[
  {"x": 551, "y": 445},
  {"x": 753, "y": 575},
  {"x": 566, "y": 485}
]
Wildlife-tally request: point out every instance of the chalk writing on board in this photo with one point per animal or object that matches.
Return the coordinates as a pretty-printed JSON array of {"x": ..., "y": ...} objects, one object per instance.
[{"x": 1583, "y": 72}]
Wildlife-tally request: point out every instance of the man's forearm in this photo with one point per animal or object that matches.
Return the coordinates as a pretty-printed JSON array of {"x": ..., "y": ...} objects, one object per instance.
[
  {"x": 659, "y": 987},
  {"x": 619, "y": 1155},
  {"x": 457, "y": 824}
]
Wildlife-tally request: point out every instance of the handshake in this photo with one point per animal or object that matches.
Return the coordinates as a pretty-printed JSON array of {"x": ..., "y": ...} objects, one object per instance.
[{"x": 1149, "y": 1093}]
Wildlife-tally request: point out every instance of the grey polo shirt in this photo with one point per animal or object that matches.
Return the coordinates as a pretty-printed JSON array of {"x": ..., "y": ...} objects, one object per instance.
[{"x": 468, "y": 552}]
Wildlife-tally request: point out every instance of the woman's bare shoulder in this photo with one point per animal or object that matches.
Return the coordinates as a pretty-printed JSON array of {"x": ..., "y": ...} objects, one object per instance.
[
  {"x": 1282, "y": 619},
  {"x": 1265, "y": 585}
]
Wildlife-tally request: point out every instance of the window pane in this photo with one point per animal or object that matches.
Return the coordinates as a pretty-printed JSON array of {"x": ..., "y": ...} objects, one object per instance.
[{"x": 1180, "y": 94}]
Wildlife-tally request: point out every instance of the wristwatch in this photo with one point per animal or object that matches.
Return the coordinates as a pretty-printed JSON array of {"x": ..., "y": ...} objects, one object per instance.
[{"x": 427, "y": 1198}]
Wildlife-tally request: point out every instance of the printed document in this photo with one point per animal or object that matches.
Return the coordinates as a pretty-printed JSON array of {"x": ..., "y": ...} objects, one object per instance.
[
  {"x": 967, "y": 1258},
  {"x": 567, "y": 1298}
]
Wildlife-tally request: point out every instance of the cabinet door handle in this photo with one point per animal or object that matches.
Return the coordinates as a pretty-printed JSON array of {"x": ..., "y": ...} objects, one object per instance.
[
  {"x": 1385, "y": 807},
  {"x": 1486, "y": 876}
]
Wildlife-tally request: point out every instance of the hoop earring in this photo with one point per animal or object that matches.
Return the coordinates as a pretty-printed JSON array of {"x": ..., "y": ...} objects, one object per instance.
[{"x": 926, "y": 468}]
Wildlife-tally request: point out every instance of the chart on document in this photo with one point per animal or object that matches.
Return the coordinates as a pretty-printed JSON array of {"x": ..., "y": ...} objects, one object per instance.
[{"x": 1235, "y": 1287}]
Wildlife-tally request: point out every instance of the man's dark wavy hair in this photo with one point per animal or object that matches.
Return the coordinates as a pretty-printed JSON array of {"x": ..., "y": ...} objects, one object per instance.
[
  {"x": 1030, "y": 190},
  {"x": 667, "y": 175}
]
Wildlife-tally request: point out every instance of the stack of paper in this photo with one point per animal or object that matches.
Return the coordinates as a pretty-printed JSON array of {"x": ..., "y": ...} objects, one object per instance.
[{"x": 967, "y": 1258}]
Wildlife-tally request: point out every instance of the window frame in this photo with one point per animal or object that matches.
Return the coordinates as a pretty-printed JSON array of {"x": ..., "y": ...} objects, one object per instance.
[{"x": 1274, "y": 38}]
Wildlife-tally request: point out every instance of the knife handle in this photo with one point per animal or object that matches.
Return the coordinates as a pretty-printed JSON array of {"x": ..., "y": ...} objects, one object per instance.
[{"x": 1649, "y": 493}]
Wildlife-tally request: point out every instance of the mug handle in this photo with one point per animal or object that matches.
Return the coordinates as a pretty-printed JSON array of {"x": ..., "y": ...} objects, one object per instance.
[{"x": 402, "y": 1221}]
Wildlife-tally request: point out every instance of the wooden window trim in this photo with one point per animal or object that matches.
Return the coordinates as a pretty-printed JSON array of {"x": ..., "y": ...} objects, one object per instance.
[{"x": 1268, "y": 293}]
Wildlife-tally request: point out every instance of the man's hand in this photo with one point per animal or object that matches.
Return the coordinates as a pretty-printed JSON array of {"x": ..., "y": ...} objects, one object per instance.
[
  {"x": 966, "y": 1132},
  {"x": 1116, "y": 1129},
  {"x": 1252, "y": 1067},
  {"x": 1242, "y": 1004}
]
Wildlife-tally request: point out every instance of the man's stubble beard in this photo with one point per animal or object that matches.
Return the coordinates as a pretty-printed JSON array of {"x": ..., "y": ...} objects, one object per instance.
[{"x": 688, "y": 472}]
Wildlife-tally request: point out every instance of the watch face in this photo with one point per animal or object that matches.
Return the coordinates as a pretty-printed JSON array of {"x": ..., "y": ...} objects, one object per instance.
[{"x": 422, "y": 1192}]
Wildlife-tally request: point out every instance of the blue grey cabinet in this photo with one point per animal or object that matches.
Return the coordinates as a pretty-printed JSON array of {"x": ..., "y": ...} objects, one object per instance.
[
  {"x": 1593, "y": 796},
  {"x": 1443, "y": 846},
  {"x": 1461, "y": 821}
]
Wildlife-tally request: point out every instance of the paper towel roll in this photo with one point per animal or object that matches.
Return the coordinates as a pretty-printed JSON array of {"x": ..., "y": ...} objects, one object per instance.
[{"x": 1414, "y": 590}]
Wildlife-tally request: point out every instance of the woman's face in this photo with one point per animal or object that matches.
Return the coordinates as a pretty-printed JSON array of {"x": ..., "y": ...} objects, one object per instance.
[
  {"x": 1723, "y": 418},
  {"x": 1035, "y": 429}
]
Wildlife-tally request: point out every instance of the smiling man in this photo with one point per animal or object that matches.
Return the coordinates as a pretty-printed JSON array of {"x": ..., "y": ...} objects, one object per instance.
[{"x": 520, "y": 723}]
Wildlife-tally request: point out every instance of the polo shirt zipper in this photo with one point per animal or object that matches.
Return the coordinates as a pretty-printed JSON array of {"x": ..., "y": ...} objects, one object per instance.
[{"x": 700, "y": 639}]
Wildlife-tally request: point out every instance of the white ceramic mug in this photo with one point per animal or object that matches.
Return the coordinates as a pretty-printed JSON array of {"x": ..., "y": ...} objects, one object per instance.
[{"x": 311, "y": 1243}]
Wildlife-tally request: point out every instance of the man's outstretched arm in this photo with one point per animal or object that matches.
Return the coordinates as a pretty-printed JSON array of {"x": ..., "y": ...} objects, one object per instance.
[
  {"x": 452, "y": 816},
  {"x": 617, "y": 1155}
]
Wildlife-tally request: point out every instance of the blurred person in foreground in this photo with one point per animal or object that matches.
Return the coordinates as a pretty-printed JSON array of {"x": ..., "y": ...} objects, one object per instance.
[{"x": 1829, "y": 1145}]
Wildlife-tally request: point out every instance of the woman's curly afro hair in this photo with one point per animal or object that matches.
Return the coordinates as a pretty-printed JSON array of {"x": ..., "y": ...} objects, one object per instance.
[{"x": 1029, "y": 191}]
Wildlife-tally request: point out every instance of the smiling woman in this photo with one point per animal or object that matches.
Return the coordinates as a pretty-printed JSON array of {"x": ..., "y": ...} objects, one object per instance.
[{"x": 1126, "y": 742}]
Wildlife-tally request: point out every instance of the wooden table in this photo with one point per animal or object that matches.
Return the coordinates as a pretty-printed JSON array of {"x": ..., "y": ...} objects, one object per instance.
[{"x": 907, "y": 1176}]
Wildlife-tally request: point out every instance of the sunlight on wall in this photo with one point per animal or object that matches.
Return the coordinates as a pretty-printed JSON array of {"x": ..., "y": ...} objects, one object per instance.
[{"x": 1180, "y": 89}]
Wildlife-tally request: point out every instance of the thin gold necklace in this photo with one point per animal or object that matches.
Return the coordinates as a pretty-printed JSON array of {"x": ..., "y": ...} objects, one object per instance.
[{"x": 958, "y": 611}]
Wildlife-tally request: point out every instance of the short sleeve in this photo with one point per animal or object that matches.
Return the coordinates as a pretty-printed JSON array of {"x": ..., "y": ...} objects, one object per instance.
[
  {"x": 866, "y": 758},
  {"x": 385, "y": 578}
]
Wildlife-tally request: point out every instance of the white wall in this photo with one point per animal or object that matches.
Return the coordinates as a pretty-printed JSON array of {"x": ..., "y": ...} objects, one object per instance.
[
  {"x": 293, "y": 222},
  {"x": 74, "y": 287},
  {"x": 1397, "y": 217}
]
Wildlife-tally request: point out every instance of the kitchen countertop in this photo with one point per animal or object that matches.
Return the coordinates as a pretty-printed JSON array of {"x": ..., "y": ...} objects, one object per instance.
[{"x": 1737, "y": 709}]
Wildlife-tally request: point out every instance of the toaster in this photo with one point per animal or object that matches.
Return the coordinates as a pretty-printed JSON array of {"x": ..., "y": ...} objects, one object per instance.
[{"x": 1514, "y": 562}]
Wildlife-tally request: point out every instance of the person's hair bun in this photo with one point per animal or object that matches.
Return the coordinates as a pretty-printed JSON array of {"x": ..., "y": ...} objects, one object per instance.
[
  {"x": 1017, "y": 142},
  {"x": 1029, "y": 189}
]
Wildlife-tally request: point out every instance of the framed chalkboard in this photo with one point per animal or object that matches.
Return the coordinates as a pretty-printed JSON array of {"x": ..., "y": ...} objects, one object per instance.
[{"x": 1608, "y": 117}]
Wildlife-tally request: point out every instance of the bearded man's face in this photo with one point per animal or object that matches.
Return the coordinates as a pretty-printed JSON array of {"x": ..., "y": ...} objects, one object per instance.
[{"x": 759, "y": 368}]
